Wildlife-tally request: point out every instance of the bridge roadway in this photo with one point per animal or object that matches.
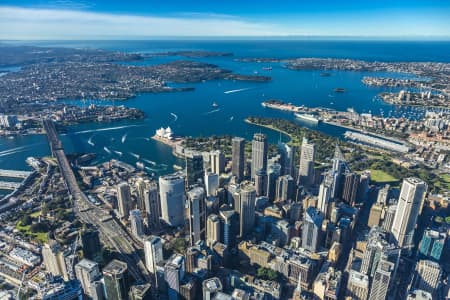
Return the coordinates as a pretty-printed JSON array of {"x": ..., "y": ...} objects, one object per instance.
[
  {"x": 116, "y": 236},
  {"x": 14, "y": 173},
  {"x": 9, "y": 185}
]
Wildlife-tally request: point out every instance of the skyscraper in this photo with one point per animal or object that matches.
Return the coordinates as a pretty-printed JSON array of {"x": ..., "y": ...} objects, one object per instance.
[
  {"x": 273, "y": 172},
  {"x": 311, "y": 232},
  {"x": 409, "y": 205},
  {"x": 324, "y": 197},
  {"x": 171, "y": 195},
  {"x": 212, "y": 229},
  {"x": 217, "y": 162},
  {"x": 153, "y": 253},
  {"x": 211, "y": 183},
  {"x": 141, "y": 187},
  {"x": 53, "y": 258},
  {"x": 389, "y": 216},
  {"x": 383, "y": 195},
  {"x": 247, "y": 197},
  {"x": 211, "y": 287},
  {"x": 287, "y": 158},
  {"x": 285, "y": 188},
  {"x": 228, "y": 226},
  {"x": 433, "y": 244},
  {"x": 87, "y": 272},
  {"x": 174, "y": 271},
  {"x": 261, "y": 182},
  {"x": 306, "y": 168},
  {"x": 357, "y": 286},
  {"x": 91, "y": 243},
  {"x": 377, "y": 249},
  {"x": 259, "y": 153},
  {"x": 376, "y": 212},
  {"x": 238, "y": 158},
  {"x": 197, "y": 214},
  {"x": 381, "y": 280},
  {"x": 427, "y": 276},
  {"x": 136, "y": 223},
  {"x": 152, "y": 205},
  {"x": 350, "y": 191},
  {"x": 194, "y": 169},
  {"x": 123, "y": 199},
  {"x": 115, "y": 275}
]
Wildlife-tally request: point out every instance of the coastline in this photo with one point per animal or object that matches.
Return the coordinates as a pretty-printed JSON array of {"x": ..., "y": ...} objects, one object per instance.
[{"x": 271, "y": 128}]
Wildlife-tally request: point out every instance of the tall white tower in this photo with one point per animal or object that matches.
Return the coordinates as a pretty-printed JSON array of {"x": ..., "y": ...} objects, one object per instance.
[{"x": 409, "y": 206}]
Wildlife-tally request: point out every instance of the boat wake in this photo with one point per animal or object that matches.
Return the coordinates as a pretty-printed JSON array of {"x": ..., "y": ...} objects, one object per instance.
[
  {"x": 212, "y": 111},
  {"x": 124, "y": 137},
  {"x": 135, "y": 155},
  {"x": 107, "y": 150},
  {"x": 90, "y": 142},
  {"x": 6, "y": 153},
  {"x": 14, "y": 149},
  {"x": 149, "y": 161},
  {"x": 151, "y": 169},
  {"x": 175, "y": 117},
  {"x": 237, "y": 91},
  {"x": 101, "y": 129}
]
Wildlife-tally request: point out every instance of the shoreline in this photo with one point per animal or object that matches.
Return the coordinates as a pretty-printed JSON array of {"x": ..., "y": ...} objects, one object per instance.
[{"x": 271, "y": 128}]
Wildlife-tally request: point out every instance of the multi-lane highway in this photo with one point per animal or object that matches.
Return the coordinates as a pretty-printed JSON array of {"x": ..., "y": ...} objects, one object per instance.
[{"x": 113, "y": 234}]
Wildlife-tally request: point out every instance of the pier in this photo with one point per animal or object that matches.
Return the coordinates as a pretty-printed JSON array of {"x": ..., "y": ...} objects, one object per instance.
[
  {"x": 8, "y": 185},
  {"x": 14, "y": 173}
]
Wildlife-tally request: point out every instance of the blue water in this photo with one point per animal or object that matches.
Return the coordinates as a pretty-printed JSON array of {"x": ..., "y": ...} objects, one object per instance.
[{"x": 195, "y": 115}]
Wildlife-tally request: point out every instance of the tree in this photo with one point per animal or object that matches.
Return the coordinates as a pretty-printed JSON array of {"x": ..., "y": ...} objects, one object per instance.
[{"x": 26, "y": 220}]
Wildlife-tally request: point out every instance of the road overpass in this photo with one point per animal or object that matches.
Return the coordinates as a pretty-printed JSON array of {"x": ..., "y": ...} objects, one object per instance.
[{"x": 116, "y": 237}]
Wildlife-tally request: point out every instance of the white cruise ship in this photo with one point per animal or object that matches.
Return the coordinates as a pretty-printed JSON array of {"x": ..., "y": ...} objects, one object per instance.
[{"x": 307, "y": 117}]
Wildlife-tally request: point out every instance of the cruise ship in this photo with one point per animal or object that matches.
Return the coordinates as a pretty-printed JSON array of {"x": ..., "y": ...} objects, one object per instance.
[{"x": 307, "y": 118}]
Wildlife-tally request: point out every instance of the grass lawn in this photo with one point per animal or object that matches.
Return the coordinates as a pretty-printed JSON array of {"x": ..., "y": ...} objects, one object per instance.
[
  {"x": 445, "y": 181},
  {"x": 378, "y": 176},
  {"x": 42, "y": 237},
  {"x": 35, "y": 214}
]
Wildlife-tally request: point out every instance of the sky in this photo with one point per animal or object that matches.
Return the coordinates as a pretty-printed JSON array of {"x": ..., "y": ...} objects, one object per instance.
[{"x": 114, "y": 19}]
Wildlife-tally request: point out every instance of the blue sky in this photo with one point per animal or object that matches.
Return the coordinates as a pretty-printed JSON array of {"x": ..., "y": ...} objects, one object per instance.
[{"x": 85, "y": 19}]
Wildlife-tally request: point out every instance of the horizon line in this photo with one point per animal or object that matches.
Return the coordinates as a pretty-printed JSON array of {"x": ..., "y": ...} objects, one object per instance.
[{"x": 443, "y": 38}]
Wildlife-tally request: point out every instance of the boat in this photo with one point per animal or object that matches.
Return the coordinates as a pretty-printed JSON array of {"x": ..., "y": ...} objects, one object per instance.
[
  {"x": 339, "y": 90},
  {"x": 135, "y": 155},
  {"x": 177, "y": 167},
  {"x": 307, "y": 117},
  {"x": 214, "y": 104},
  {"x": 140, "y": 165},
  {"x": 267, "y": 68},
  {"x": 325, "y": 74}
]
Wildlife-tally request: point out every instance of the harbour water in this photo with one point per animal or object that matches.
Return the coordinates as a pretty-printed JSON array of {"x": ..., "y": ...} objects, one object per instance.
[{"x": 191, "y": 113}]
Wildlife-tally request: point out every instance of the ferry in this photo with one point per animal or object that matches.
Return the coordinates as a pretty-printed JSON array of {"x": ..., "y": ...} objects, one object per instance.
[{"x": 307, "y": 117}]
